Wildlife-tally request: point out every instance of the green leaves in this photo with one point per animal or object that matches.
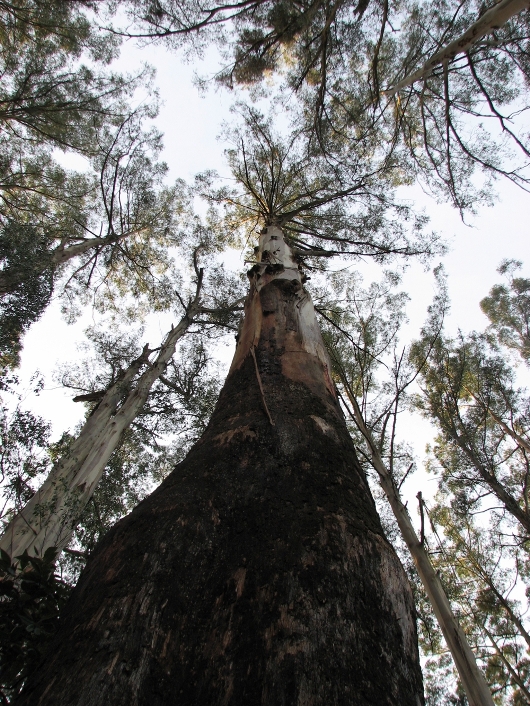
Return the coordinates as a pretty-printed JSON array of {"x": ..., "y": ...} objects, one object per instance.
[
  {"x": 508, "y": 309},
  {"x": 24, "y": 252},
  {"x": 24, "y": 439},
  {"x": 31, "y": 596},
  {"x": 480, "y": 517},
  {"x": 326, "y": 207},
  {"x": 468, "y": 390}
]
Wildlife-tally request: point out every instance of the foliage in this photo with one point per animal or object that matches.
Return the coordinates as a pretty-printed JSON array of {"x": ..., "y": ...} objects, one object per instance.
[
  {"x": 47, "y": 96},
  {"x": 508, "y": 309},
  {"x": 467, "y": 111},
  {"x": 24, "y": 304},
  {"x": 58, "y": 97},
  {"x": 24, "y": 440},
  {"x": 479, "y": 521},
  {"x": 325, "y": 207},
  {"x": 31, "y": 596},
  {"x": 343, "y": 60}
]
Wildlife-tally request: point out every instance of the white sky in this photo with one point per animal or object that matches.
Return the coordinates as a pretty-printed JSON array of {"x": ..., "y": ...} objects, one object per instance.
[{"x": 191, "y": 123}]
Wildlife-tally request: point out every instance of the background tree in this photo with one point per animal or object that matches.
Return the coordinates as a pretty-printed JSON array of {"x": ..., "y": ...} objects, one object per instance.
[
  {"x": 50, "y": 516},
  {"x": 374, "y": 407},
  {"x": 481, "y": 562},
  {"x": 482, "y": 419},
  {"x": 174, "y": 414},
  {"x": 479, "y": 520},
  {"x": 58, "y": 97},
  {"x": 508, "y": 308}
]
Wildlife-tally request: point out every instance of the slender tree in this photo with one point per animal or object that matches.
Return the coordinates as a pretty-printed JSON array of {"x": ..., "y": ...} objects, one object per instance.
[
  {"x": 360, "y": 328},
  {"x": 479, "y": 521},
  {"x": 467, "y": 555},
  {"x": 482, "y": 420},
  {"x": 50, "y": 516}
]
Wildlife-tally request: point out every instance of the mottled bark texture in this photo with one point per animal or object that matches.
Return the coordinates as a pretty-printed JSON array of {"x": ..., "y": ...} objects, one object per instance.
[{"x": 258, "y": 572}]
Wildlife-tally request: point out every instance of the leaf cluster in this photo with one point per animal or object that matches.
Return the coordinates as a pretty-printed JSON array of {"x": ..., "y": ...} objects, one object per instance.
[{"x": 31, "y": 596}]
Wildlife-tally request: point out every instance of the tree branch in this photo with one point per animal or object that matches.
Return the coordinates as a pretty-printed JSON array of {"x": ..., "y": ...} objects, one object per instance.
[{"x": 494, "y": 18}]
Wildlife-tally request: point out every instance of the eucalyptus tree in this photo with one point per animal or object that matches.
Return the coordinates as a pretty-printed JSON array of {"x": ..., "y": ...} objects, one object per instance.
[
  {"x": 48, "y": 519},
  {"x": 58, "y": 96},
  {"x": 479, "y": 541},
  {"x": 483, "y": 573},
  {"x": 361, "y": 331},
  {"x": 109, "y": 236},
  {"x": 259, "y": 566},
  {"x": 507, "y": 306},
  {"x": 51, "y": 514},
  {"x": 173, "y": 417},
  {"x": 470, "y": 392}
]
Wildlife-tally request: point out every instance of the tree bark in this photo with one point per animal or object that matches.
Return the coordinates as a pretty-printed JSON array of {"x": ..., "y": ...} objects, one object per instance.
[{"x": 258, "y": 572}]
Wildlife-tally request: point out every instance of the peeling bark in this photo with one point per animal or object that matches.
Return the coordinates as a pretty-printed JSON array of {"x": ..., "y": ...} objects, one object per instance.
[{"x": 258, "y": 572}]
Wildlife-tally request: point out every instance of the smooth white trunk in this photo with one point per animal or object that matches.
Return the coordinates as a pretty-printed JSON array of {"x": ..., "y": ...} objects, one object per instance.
[{"x": 51, "y": 515}]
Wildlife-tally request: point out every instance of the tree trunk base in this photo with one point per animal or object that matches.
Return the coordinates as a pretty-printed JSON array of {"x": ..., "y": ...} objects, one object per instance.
[{"x": 257, "y": 573}]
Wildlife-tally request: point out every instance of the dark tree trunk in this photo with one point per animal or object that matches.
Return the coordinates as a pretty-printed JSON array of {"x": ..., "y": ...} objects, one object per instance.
[{"x": 258, "y": 572}]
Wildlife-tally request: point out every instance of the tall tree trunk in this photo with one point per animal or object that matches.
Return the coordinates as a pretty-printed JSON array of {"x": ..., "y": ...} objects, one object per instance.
[
  {"x": 50, "y": 517},
  {"x": 473, "y": 681},
  {"x": 258, "y": 572}
]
